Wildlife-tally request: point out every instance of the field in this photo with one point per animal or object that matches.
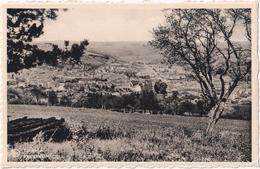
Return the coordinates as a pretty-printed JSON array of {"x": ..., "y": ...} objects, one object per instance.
[{"x": 103, "y": 135}]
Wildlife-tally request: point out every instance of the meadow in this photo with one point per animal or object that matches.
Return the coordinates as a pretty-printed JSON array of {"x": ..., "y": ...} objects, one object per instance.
[{"x": 104, "y": 135}]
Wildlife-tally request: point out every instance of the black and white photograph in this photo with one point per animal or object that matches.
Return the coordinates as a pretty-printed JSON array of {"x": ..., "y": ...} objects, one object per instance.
[{"x": 129, "y": 83}]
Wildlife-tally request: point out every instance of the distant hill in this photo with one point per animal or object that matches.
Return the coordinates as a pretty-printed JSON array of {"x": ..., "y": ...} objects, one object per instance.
[
  {"x": 124, "y": 51},
  {"x": 91, "y": 57},
  {"x": 135, "y": 51},
  {"x": 127, "y": 51}
]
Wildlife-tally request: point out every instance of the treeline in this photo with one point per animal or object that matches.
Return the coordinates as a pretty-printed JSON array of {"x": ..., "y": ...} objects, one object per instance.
[
  {"x": 32, "y": 55},
  {"x": 145, "y": 102}
]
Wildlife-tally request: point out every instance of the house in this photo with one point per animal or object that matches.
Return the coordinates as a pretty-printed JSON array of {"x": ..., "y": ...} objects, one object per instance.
[
  {"x": 21, "y": 84},
  {"x": 136, "y": 88}
]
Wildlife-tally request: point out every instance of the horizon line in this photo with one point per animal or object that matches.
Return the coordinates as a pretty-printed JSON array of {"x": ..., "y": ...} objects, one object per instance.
[{"x": 94, "y": 41}]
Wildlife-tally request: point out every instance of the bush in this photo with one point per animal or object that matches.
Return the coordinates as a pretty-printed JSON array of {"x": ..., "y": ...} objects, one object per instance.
[
  {"x": 33, "y": 96},
  {"x": 148, "y": 101},
  {"x": 65, "y": 101},
  {"x": 93, "y": 100},
  {"x": 172, "y": 108},
  {"x": 106, "y": 133},
  {"x": 186, "y": 106},
  {"x": 131, "y": 101},
  {"x": 202, "y": 107},
  {"x": 112, "y": 102}
]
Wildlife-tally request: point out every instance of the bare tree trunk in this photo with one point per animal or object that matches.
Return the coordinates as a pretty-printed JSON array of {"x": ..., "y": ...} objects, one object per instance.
[{"x": 214, "y": 115}]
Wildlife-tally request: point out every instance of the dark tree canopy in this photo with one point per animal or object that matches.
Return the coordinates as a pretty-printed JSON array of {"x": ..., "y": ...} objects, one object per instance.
[
  {"x": 23, "y": 25},
  {"x": 77, "y": 51},
  {"x": 160, "y": 87}
]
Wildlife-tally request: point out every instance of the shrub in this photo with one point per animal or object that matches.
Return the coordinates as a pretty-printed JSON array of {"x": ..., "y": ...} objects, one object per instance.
[
  {"x": 112, "y": 102},
  {"x": 131, "y": 100},
  {"x": 186, "y": 106},
  {"x": 148, "y": 101},
  {"x": 65, "y": 101},
  {"x": 93, "y": 100},
  {"x": 172, "y": 108},
  {"x": 106, "y": 133},
  {"x": 202, "y": 107}
]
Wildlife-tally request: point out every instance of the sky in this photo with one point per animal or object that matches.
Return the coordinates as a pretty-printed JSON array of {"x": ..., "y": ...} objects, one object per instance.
[
  {"x": 101, "y": 23},
  {"x": 109, "y": 23}
]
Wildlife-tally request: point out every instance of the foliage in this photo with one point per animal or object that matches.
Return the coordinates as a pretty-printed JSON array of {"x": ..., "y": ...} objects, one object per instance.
[
  {"x": 51, "y": 57},
  {"x": 201, "y": 40},
  {"x": 22, "y": 26},
  {"x": 52, "y": 98},
  {"x": 65, "y": 101},
  {"x": 160, "y": 87},
  {"x": 145, "y": 102},
  {"x": 33, "y": 95},
  {"x": 77, "y": 50},
  {"x": 66, "y": 44}
]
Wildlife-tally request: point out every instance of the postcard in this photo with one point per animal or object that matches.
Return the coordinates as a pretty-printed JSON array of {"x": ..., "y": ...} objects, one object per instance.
[{"x": 129, "y": 84}]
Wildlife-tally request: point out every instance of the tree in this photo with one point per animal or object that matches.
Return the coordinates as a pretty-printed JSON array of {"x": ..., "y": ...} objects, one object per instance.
[
  {"x": 160, "y": 87},
  {"x": 77, "y": 51},
  {"x": 131, "y": 100},
  {"x": 53, "y": 56},
  {"x": 84, "y": 44},
  {"x": 22, "y": 26},
  {"x": 202, "y": 40},
  {"x": 148, "y": 101},
  {"x": 66, "y": 43}
]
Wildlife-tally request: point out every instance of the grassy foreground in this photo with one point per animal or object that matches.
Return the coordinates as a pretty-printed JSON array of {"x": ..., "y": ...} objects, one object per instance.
[{"x": 102, "y": 135}]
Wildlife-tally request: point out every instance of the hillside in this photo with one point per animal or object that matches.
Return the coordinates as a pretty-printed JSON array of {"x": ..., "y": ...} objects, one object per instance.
[
  {"x": 112, "y": 62},
  {"x": 125, "y": 51},
  {"x": 110, "y": 68},
  {"x": 139, "y": 136}
]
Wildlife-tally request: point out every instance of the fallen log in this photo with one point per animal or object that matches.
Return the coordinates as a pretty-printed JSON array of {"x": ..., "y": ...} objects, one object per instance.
[
  {"x": 25, "y": 129},
  {"x": 31, "y": 123}
]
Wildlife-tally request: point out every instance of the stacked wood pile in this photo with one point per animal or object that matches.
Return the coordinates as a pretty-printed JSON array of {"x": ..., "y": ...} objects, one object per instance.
[{"x": 25, "y": 129}]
